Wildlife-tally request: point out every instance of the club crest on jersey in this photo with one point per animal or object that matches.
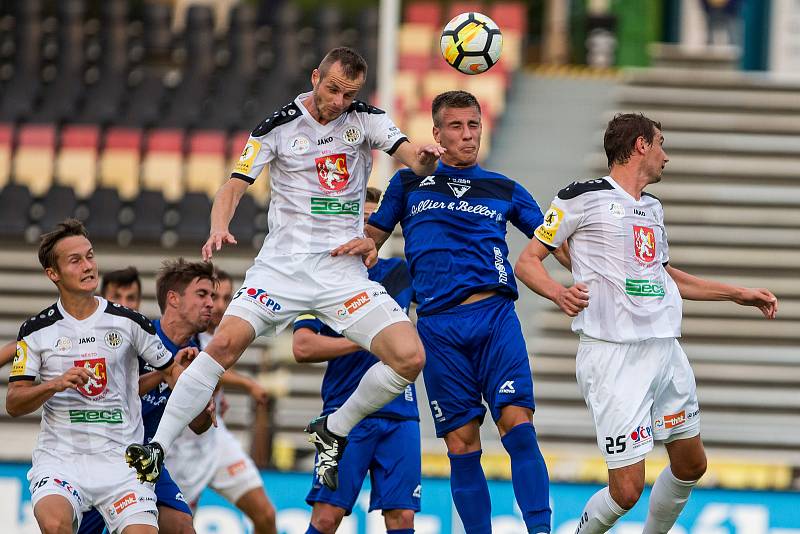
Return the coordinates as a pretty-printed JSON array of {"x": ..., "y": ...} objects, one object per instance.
[
  {"x": 113, "y": 339},
  {"x": 332, "y": 172},
  {"x": 459, "y": 186},
  {"x": 644, "y": 243},
  {"x": 352, "y": 135},
  {"x": 96, "y": 386}
]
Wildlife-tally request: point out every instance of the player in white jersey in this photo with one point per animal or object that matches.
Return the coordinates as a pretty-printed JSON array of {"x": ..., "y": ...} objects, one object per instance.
[
  {"x": 216, "y": 458},
  {"x": 626, "y": 300},
  {"x": 84, "y": 350},
  {"x": 318, "y": 149}
]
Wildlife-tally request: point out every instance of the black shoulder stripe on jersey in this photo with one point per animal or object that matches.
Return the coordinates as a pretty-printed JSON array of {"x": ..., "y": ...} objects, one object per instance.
[
  {"x": 645, "y": 194},
  {"x": 578, "y": 188},
  {"x": 397, "y": 280},
  {"x": 136, "y": 317},
  {"x": 43, "y": 319},
  {"x": 166, "y": 364},
  {"x": 459, "y": 188},
  {"x": 287, "y": 113},
  {"x": 363, "y": 107}
]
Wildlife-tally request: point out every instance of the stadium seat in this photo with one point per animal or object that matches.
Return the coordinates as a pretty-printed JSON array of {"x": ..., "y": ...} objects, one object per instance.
[
  {"x": 510, "y": 16},
  {"x": 149, "y": 208},
  {"x": 6, "y": 133},
  {"x": 243, "y": 224},
  {"x": 103, "y": 208},
  {"x": 490, "y": 90},
  {"x": 120, "y": 160},
  {"x": 456, "y": 8},
  {"x": 407, "y": 90},
  {"x": 425, "y": 13},
  {"x": 419, "y": 127},
  {"x": 439, "y": 81},
  {"x": 206, "y": 165},
  {"x": 76, "y": 163},
  {"x": 162, "y": 168},
  {"x": 416, "y": 45},
  {"x": 15, "y": 203},
  {"x": 194, "y": 224},
  {"x": 58, "y": 204},
  {"x": 33, "y": 159}
]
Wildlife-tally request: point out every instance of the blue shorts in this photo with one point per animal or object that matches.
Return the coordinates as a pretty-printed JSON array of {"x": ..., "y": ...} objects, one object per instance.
[
  {"x": 390, "y": 450},
  {"x": 472, "y": 350},
  {"x": 167, "y": 494}
]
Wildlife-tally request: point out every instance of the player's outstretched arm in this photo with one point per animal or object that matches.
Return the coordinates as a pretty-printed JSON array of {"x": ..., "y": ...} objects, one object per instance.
[
  {"x": 530, "y": 270},
  {"x": 310, "y": 347},
  {"x": 7, "y": 352},
  {"x": 377, "y": 235},
  {"x": 148, "y": 381},
  {"x": 24, "y": 396},
  {"x": 225, "y": 202},
  {"x": 422, "y": 159},
  {"x": 695, "y": 288}
]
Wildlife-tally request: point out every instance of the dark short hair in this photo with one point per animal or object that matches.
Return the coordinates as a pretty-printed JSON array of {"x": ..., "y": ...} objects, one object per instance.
[
  {"x": 175, "y": 275},
  {"x": 223, "y": 276},
  {"x": 373, "y": 195},
  {"x": 121, "y": 277},
  {"x": 351, "y": 61},
  {"x": 621, "y": 135},
  {"x": 47, "y": 243},
  {"x": 452, "y": 99}
]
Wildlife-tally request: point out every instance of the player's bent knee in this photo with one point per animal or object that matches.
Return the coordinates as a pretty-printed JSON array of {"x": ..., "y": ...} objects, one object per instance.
[
  {"x": 51, "y": 524},
  {"x": 627, "y": 495},
  {"x": 225, "y": 349},
  {"x": 326, "y": 523},
  {"x": 399, "y": 519},
  {"x": 690, "y": 470}
]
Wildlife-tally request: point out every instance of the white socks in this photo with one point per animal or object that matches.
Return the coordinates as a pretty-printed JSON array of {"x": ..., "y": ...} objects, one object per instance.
[
  {"x": 379, "y": 386},
  {"x": 600, "y": 514},
  {"x": 667, "y": 499},
  {"x": 191, "y": 394}
]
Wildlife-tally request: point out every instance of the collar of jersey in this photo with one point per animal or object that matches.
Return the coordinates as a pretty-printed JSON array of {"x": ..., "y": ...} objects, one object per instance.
[
  {"x": 171, "y": 346},
  {"x": 619, "y": 188},
  {"x": 443, "y": 167},
  {"x": 101, "y": 308}
]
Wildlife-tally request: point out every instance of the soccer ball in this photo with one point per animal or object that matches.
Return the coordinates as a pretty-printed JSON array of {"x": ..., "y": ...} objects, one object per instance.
[{"x": 471, "y": 43}]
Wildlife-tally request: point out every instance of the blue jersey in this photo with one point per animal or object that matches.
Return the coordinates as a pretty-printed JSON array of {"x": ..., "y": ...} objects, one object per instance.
[
  {"x": 155, "y": 400},
  {"x": 454, "y": 223},
  {"x": 343, "y": 374}
]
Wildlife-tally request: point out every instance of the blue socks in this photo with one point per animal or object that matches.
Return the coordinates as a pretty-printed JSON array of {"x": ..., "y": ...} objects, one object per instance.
[
  {"x": 401, "y": 531},
  {"x": 312, "y": 530},
  {"x": 471, "y": 492},
  {"x": 529, "y": 477}
]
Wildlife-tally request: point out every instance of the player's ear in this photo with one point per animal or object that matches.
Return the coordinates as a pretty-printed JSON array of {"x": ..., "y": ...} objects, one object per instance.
[
  {"x": 315, "y": 77},
  {"x": 436, "y": 133},
  {"x": 52, "y": 274}
]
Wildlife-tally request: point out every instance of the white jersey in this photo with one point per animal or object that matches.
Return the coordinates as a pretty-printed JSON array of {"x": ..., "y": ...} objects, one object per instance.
[
  {"x": 318, "y": 174},
  {"x": 106, "y": 413},
  {"x": 618, "y": 247}
]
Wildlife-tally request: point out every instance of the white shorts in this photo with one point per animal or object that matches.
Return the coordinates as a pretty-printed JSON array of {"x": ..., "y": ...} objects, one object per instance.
[
  {"x": 236, "y": 473},
  {"x": 335, "y": 289},
  {"x": 101, "y": 480},
  {"x": 637, "y": 393}
]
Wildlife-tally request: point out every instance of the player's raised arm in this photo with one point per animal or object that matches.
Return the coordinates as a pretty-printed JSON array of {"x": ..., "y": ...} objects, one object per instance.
[
  {"x": 422, "y": 159},
  {"x": 225, "y": 202},
  {"x": 695, "y": 288}
]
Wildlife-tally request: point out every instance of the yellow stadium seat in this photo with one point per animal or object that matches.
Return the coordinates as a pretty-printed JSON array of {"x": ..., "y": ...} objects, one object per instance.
[
  {"x": 419, "y": 128},
  {"x": 205, "y": 165},
  {"x": 120, "y": 161},
  {"x": 162, "y": 168},
  {"x": 33, "y": 159},
  {"x": 416, "y": 40},
  {"x": 76, "y": 163},
  {"x": 5, "y": 153},
  {"x": 438, "y": 81},
  {"x": 407, "y": 89},
  {"x": 490, "y": 90}
]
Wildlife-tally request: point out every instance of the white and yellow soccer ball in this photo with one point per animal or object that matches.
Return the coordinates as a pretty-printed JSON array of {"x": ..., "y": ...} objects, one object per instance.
[{"x": 471, "y": 43}]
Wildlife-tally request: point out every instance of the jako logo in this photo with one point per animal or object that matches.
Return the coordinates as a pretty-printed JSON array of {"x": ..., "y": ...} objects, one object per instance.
[
  {"x": 508, "y": 387},
  {"x": 260, "y": 296},
  {"x": 642, "y": 433},
  {"x": 352, "y": 305},
  {"x": 124, "y": 502}
]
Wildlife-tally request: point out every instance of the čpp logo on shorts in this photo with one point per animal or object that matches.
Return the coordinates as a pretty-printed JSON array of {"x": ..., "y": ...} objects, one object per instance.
[{"x": 260, "y": 297}]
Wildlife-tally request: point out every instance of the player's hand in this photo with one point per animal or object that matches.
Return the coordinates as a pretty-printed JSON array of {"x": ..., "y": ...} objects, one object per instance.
[
  {"x": 186, "y": 355},
  {"x": 572, "y": 300},
  {"x": 258, "y": 393},
  {"x": 211, "y": 410},
  {"x": 428, "y": 154},
  {"x": 360, "y": 246},
  {"x": 761, "y": 298},
  {"x": 224, "y": 405},
  {"x": 215, "y": 242},
  {"x": 73, "y": 378}
]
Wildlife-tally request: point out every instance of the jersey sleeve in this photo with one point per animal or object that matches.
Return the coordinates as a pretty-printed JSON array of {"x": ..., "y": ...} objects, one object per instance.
[
  {"x": 257, "y": 152},
  {"x": 383, "y": 134},
  {"x": 525, "y": 213},
  {"x": 390, "y": 207},
  {"x": 308, "y": 321},
  {"x": 27, "y": 360},
  {"x": 151, "y": 349},
  {"x": 560, "y": 222}
]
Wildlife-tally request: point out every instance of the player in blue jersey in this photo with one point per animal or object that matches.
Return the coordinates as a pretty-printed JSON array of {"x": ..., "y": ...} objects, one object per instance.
[
  {"x": 454, "y": 224},
  {"x": 174, "y": 513},
  {"x": 387, "y": 443}
]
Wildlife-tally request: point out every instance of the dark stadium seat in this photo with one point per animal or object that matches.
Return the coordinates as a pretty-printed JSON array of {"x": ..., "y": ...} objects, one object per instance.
[
  {"x": 58, "y": 204},
  {"x": 148, "y": 223},
  {"x": 193, "y": 226},
  {"x": 19, "y": 95},
  {"x": 102, "y": 217},
  {"x": 243, "y": 224},
  {"x": 15, "y": 203}
]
